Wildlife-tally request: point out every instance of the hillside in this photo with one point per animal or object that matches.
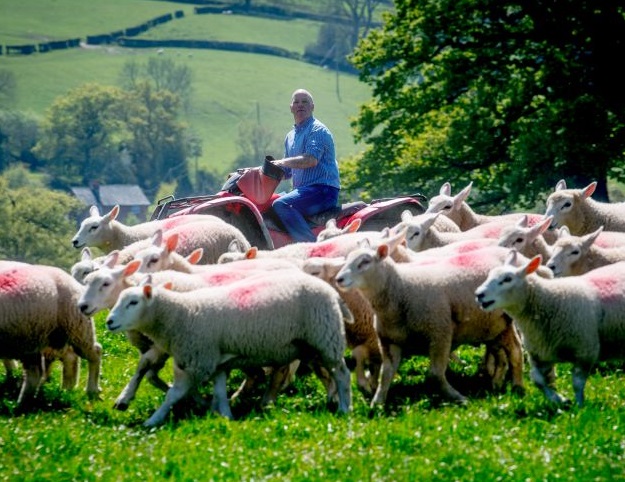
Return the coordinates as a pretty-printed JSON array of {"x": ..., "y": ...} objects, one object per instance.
[{"x": 228, "y": 87}]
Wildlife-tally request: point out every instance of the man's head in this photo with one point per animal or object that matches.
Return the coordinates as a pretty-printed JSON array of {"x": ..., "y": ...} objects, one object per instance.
[{"x": 302, "y": 105}]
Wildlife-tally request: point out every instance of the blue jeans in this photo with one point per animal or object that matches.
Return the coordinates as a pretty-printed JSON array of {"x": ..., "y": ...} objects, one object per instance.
[{"x": 304, "y": 201}]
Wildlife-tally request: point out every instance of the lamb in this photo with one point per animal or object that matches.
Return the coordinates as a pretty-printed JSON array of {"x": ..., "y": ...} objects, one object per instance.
[
  {"x": 39, "y": 312},
  {"x": 526, "y": 239},
  {"x": 331, "y": 229},
  {"x": 576, "y": 319},
  {"x": 267, "y": 320},
  {"x": 361, "y": 336},
  {"x": 104, "y": 286},
  {"x": 576, "y": 255},
  {"x": 459, "y": 211},
  {"x": 87, "y": 264},
  {"x": 330, "y": 248},
  {"x": 576, "y": 209},
  {"x": 429, "y": 308},
  {"x": 106, "y": 233}
]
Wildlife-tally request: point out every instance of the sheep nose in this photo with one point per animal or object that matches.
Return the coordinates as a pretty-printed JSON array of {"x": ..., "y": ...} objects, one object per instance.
[
  {"x": 83, "y": 307},
  {"x": 75, "y": 243},
  {"x": 109, "y": 322}
]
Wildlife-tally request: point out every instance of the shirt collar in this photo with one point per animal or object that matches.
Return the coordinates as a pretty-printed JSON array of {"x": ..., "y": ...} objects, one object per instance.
[{"x": 304, "y": 124}]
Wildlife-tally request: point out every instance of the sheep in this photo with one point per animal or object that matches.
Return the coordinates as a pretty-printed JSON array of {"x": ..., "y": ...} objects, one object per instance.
[
  {"x": 428, "y": 308},
  {"x": 39, "y": 312},
  {"x": 329, "y": 248},
  {"x": 331, "y": 229},
  {"x": 576, "y": 209},
  {"x": 576, "y": 319},
  {"x": 576, "y": 255},
  {"x": 528, "y": 239},
  {"x": 107, "y": 234},
  {"x": 104, "y": 286},
  {"x": 361, "y": 336},
  {"x": 86, "y": 265},
  {"x": 267, "y": 320},
  {"x": 459, "y": 211}
]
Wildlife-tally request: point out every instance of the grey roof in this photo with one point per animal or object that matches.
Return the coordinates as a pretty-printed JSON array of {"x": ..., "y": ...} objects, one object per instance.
[
  {"x": 123, "y": 194},
  {"x": 85, "y": 195}
]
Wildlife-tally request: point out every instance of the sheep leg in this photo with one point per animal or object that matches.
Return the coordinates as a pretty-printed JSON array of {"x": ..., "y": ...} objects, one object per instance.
[
  {"x": 150, "y": 362},
  {"x": 220, "y": 403},
  {"x": 86, "y": 347},
  {"x": 182, "y": 386},
  {"x": 439, "y": 361},
  {"x": 512, "y": 345},
  {"x": 342, "y": 379},
  {"x": 361, "y": 355},
  {"x": 253, "y": 376},
  {"x": 541, "y": 374},
  {"x": 391, "y": 356},
  {"x": 279, "y": 377},
  {"x": 71, "y": 366},
  {"x": 10, "y": 367},
  {"x": 580, "y": 375},
  {"x": 33, "y": 376}
]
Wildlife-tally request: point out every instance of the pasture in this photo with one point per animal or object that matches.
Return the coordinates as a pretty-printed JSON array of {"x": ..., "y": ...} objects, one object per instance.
[
  {"x": 417, "y": 437},
  {"x": 229, "y": 88}
]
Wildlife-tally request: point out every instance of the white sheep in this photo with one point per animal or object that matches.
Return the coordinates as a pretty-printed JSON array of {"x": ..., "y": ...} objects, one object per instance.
[
  {"x": 106, "y": 233},
  {"x": 576, "y": 209},
  {"x": 38, "y": 312},
  {"x": 360, "y": 335},
  {"x": 87, "y": 264},
  {"x": 102, "y": 289},
  {"x": 331, "y": 229},
  {"x": 576, "y": 255},
  {"x": 528, "y": 239},
  {"x": 267, "y": 320},
  {"x": 577, "y": 319},
  {"x": 456, "y": 208},
  {"x": 329, "y": 248},
  {"x": 428, "y": 309}
]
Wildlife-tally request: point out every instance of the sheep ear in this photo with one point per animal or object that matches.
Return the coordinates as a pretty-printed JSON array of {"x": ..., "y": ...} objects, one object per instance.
[
  {"x": 462, "y": 195},
  {"x": 85, "y": 254},
  {"x": 534, "y": 264},
  {"x": 147, "y": 291},
  {"x": 94, "y": 211},
  {"x": 195, "y": 256},
  {"x": 445, "y": 189},
  {"x": 353, "y": 225},
  {"x": 522, "y": 223},
  {"x": 331, "y": 223},
  {"x": 396, "y": 240},
  {"x": 591, "y": 238},
  {"x": 382, "y": 251},
  {"x": 251, "y": 253},
  {"x": 544, "y": 225},
  {"x": 132, "y": 267},
  {"x": 364, "y": 243},
  {"x": 561, "y": 184},
  {"x": 168, "y": 285},
  {"x": 564, "y": 232},
  {"x": 235, "y": 246},
  {"x": 111, "y": 259},
  {"x": 406, "y": 215},
  {"x": 511, "y": 258},
  {"x": 157, "y": 238},
  {"x": 589, "y": 190},
  {"x": 112, "y": 214},
  {"x": 171, "y": 243}
]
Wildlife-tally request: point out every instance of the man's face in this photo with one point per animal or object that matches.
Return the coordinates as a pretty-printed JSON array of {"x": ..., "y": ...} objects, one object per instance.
[{"x": 301, "y": 107}]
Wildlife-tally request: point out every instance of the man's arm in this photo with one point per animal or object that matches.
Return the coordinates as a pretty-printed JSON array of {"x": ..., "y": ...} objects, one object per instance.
[{"x": 297, "y": 162}]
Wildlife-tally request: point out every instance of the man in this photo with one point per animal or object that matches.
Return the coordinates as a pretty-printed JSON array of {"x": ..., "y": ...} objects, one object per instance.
[{"x": 309, "y": 160}]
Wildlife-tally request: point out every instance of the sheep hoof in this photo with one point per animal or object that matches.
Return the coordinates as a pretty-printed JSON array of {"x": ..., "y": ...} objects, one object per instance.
[{"x": 121, "y": 406}]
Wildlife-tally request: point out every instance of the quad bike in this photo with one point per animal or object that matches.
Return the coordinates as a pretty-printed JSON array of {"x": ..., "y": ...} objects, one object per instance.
[{"x": 245, "y": 202}]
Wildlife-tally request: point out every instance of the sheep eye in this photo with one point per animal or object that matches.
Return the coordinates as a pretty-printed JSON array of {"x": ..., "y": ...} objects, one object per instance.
[
  {"x": 131, "y": 303},
  {"x": 566, "y": 205},
  {"x": 447, "y": 207},
  {"x": 106, "y": 284},
  {"x": 93, "y": 228},
  {"x": 363, "y": 263},
  {"x": 575, "y": 252},
  {"x": 506, "y": 279},
  {"x": 519, "y": 240}
]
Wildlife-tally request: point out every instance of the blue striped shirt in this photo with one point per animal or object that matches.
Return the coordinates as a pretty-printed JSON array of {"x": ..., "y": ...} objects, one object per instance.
[{"x": 314, "y": 138}]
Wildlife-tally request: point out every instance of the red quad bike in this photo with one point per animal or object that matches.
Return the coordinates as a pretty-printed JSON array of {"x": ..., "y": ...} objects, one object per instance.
[{"x": 245, "y": 202}]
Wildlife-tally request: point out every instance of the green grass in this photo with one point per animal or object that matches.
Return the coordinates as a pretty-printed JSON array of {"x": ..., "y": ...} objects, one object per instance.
[
  {"x": 495, "y": 437},
  {"x": 228, "y": 88}
]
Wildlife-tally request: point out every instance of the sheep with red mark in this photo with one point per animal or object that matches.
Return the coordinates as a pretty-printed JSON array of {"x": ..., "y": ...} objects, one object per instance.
[
  {"x": 38, "y": 312},
  {"x": 106, "y": 233},
  {"x": 360, "y": 335},
  {"x": 577, "y": 319},
  {"x": 576, "y": 209},
  {"x": 268, "y": 320},
  {"x": 428, "y": 308},
  {"x": 576, "y": 255},
  {"x": 456, "y": 208}
]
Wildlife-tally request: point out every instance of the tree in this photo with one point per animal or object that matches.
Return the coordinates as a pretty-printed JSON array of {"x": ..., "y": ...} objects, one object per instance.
[
  {"x": 514, "y": 95},
  {"x": 18, "y": 137},
  {"x": 81, "y": 133},
  {"x": 36, "y": 223},
  {"x": 255, "y": 142},
  {"x": 8, "y": 86}
]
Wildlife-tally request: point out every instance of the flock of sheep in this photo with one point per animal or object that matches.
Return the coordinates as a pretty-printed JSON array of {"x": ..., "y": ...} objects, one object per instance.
[{"x": 549, "y": 285}]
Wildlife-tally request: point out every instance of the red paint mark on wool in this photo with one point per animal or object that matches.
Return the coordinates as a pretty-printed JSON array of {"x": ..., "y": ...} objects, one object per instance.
[
  {"x": 324, "y": 250},
  {"x": 608, "y": 287},
  {"x": 173, "y": 222},
  {"x": 465, "y": 260},
  {"x": 11, "y": 279},
  {"x": 470, "y": 246},
  {"x": 491, "y": 231},
  {"x": 244, "y": 296},
  {"x": 221, "y": 278}
]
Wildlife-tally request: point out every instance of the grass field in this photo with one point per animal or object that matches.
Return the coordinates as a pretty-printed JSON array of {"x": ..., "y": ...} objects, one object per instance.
[
  {"x": 228, "y": 88},
  {"x": 494, "y": 438}
]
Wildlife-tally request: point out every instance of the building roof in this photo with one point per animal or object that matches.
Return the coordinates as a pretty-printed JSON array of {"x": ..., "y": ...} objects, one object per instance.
[
  {"x": 85, "y": 195},
  {"x": 123, "y": 194}
]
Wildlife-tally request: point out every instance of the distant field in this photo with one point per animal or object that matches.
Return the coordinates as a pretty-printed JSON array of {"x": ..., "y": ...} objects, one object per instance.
[{"x": 228, "y": 87}]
